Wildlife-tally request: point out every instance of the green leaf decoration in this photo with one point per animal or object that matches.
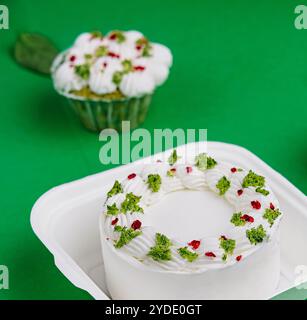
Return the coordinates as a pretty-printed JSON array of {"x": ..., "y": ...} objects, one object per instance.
[
  {"x": 131, "y": 204},
  {"x": 223, "y": 185},
  {"x": 154, "y": 182},
  {"x": 253, "y": 180},
  {"x": 112, "y": 210},
  {"x": 262, "y": 191},
  {"x": 187, "y": 254},
  {"x": 117, "y": 188},
  {"x": 271, "y": 215},
  {"x": 173, "y": 158},
  {"x": 126, "y": 235},
  {"x": 35, "y": 52},
  {"x": 256, "y": 235},
  {"x": 161, "y": 251},
  {"x": 83, "y": 71},
  {"x": 236, "y": 219},
  {"x": 228, "y": 245}
]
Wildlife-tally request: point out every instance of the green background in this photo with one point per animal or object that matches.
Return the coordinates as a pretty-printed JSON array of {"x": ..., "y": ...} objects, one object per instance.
[{"x": 240, "y": 70}]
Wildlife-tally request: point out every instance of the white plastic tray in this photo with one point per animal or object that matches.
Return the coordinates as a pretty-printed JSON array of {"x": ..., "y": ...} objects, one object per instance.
[{"x": 65, "y": 219}]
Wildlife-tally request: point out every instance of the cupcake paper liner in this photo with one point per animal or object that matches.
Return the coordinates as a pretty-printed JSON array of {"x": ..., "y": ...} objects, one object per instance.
[{"x": 99, "y": 115}]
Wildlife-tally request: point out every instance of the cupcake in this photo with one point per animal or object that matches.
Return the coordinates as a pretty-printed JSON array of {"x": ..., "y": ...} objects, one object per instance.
[{"x": 109, "y": 79}]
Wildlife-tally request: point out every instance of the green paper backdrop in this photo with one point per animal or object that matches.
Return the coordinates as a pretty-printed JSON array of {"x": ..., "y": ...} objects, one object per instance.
[{"x": 240, "y": 70}]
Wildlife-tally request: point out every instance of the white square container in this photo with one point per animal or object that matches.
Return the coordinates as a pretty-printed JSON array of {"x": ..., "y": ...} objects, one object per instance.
[{"x": 66, "y": 218}]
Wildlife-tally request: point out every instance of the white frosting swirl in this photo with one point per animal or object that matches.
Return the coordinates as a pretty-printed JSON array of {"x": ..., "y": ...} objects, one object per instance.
[{"x": 136, "y": 84}]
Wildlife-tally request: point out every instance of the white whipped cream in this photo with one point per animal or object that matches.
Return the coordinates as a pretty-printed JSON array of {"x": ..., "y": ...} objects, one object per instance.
[
  {"x": 189, "y": 177},
  {"x": 150, "y": 63}
]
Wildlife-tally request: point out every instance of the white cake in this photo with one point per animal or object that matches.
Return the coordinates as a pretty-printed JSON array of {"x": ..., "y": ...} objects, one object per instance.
[{"x": 188, "y": 250}]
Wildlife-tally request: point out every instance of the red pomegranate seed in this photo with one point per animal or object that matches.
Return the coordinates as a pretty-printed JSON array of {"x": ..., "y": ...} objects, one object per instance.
[
  {"x": 107, "y": 239},
  {"x": 138, "y": 47},
  {"x": 247, "y": 218},
  {"x": 113, "y": 55},
  {"x": 272, "y": 206},
  {"x": 223, "y": 237},
  {"x": 210, "y": 254},
  {"x": 173, "y": 169},
  {"x": 139, "y": 68},
  {"x": 131, "y": 176},
  {"x": 159, "y": 160},
  {"x": 194, "y": 244},
  {"x": 113, "y": 36},
  {"x": 239, "y": 192},
  {"x": 256, "y": 204},
  {"x": 136, "y": 224},
  {"x": 238, "y": 258},
  {"x": 105, "y": 64},
  {"x": 114, "y": 221},
  {"x": 189, "y": 169},
  {"x": 233, "y": 170},
  {"x": 72, "y": 58}
]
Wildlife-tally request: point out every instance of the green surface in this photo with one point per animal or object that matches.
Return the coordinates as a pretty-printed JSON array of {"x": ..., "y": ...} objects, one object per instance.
[{"x": 240, "y": 70}]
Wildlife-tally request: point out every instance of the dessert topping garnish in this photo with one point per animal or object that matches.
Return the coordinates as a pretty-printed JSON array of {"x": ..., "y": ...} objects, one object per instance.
[
  {"x": 136, "y": 224},
  {"x": 256, "y": 235},
  {"x": 131, "y": 176},
  {"x": 194, "y": 244},
  {"x": 161, "y": 251},
  {"x": 185, "y": 253},
  {"x": 126, "y": 235},
  {"x": 117, "y": 188},
  {"x": 223, "y": 185},
  {"x": 256, "y": 204},
  {"x": 154, "y": 182},
  {"x": 271, "y": 215}
]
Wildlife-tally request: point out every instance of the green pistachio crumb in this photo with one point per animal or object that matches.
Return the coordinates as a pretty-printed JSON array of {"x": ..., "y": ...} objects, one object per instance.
[
  {"x": 120, "y": 37},
  {"x": 154, "y": 182},
  {"x": 170, "y": 173},
  {"x": 271, "y": 215},
  {"x": 96, "y": 34},
  {"x": 223, "y": 185},
  {"x": 126, "y": 235},
  {"x": 117, "y": 188},
  {"x": 253, "y": 180},
  {"x": 263, "y": 191},
  {"x": 187, "y": 254},
  {"x": 201, "y": 161},
  {"x": 211, "y": 163},
  {"x": 161, "y": 251},
  {"x": 236, "y": 219},
  {"x": 112, "y": 210},
  {"x": 117, "y": 77},
  {"x": 228, "y": 245},
  {"x": 173, "y": 158},
  {"x": 256, "y": 235},
  {"x": 83, "y": 71},
  {"x": 101, "y": 51},
  {"x": 88, "y": 56},
  {"x": 131, "y": 204},
  {"x": 127, "y": 65}
]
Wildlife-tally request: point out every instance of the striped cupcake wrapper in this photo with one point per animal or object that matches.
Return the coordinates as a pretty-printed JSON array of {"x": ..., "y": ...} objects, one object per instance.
[{"x": 99, "y": 115}]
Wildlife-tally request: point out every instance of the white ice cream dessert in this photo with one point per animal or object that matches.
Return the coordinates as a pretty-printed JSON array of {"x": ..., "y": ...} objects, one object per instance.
[{"x": 205, "y": 230}]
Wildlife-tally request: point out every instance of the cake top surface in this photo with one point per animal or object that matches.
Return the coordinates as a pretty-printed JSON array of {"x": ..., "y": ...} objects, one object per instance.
[
  {"x": 117, "y": 65},
  {"x": 254, "y": 219}
]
